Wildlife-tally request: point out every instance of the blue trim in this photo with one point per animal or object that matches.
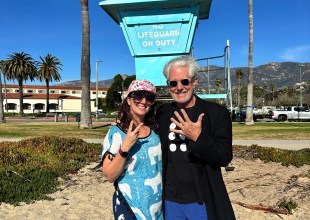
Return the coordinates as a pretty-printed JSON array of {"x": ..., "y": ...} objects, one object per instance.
[{"x": 213, "y": 96}]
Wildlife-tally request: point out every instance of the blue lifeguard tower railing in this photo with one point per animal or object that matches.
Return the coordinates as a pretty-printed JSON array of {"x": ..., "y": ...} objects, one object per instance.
[{"x": 227, "y": 93}]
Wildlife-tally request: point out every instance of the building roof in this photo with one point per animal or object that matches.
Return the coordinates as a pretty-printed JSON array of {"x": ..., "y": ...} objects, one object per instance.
[
  {"x": 113, "y": 7},
  {"x": 39, "y": 96},
  {"x": 52, "y": 87}
]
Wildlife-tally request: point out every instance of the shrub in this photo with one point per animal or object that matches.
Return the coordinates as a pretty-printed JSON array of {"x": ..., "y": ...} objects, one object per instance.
[
  {"x": 30, "y": 168},
  {"x": 287, "y": 204},
  {"x": 267, "y": 154}
]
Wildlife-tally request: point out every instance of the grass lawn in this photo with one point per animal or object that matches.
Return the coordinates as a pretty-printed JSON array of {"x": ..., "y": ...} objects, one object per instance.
[
  {"x": 61, "y": 129},
  {"x": 261, "y": 130},
  {"x": 272, "y": 131}
]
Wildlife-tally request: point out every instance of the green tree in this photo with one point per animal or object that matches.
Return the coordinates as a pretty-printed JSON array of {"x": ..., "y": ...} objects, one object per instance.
[
  {"x": 86, "y": 121},
  {"x": 239, "y": 76},
  {"x": 48, "y": 70},
  {"x": 128, "y": 80},
  {"x": 284, "y": 96},
  {"x": 102, "y": 104},
  {"x": 249, "y": 110},
  {"x": 218, "y": 82},
  {"x": 114, "y": 98},
  {"x": 20, "y": 66}
]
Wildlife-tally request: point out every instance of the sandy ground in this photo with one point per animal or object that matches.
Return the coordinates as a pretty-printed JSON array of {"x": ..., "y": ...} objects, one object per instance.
[{"x": 88, "y": 196}]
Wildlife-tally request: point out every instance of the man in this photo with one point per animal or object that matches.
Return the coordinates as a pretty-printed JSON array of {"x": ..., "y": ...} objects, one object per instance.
[{"x": 196, "y": 140}]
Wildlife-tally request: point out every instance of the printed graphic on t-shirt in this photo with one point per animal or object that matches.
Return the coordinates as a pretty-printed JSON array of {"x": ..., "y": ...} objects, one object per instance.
[{"x": 178, "y": 141}]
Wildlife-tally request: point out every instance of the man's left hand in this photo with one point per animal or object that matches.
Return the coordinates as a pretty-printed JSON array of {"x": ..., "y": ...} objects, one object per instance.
[{"x": 189, "y": 129}]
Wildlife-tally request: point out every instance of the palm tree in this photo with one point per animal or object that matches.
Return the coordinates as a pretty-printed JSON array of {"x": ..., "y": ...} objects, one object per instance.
[
  {"x": 48, "y": 69},
  {"x": 86, "y": 121},
  {"x": 239, "y": 75},
  {"x": 265, "y": 88},
  {"x": 2, "y": 63},
  {"x": 249, "y": 109},
  {"x": 273, "y": 88},
  {"x": 5, "y": 91},
  {"x": 20, "y": 66},
  {"x": 1, "y": 99},
  {"x": 284, "y": 92},
  {"x": 218, "y": 83}
]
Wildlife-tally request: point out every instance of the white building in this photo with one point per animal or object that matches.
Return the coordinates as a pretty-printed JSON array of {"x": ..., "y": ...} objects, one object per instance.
[{"x": 61, "y": 98}]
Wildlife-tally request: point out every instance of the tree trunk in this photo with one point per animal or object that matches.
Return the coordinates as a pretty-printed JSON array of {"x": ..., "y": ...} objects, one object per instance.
[
  {"x": 5, "y": 94},
  {"x": 47, "y": 96},
  {"x": 21, "y": 103},
  {"x": 239, "y": 85},
  {"x": 86, "y": 121},
  {"x": 1, "y": 103},
  {"x": 249, "y": 109}
]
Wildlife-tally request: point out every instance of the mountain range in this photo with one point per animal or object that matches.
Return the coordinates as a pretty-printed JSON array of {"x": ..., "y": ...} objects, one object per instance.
[{"x": 282, "y": 74}]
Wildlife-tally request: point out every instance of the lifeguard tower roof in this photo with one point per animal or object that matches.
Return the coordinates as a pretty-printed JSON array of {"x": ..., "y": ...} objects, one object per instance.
[{"x": 113, "y": 7}]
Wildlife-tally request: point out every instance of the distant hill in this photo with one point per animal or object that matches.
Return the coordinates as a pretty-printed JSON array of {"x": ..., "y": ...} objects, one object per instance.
[
  {"x": 102, "y": 84},
  {"x": 281, "y": 74}
]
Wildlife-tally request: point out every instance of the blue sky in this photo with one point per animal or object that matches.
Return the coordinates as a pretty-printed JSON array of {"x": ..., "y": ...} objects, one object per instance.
[{"x": 36, "y": 27}]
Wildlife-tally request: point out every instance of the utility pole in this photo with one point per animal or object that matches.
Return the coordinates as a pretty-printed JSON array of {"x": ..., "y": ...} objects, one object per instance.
[
  {"x": 300, "y": 86},
  {"x": 97, "y": 63}
]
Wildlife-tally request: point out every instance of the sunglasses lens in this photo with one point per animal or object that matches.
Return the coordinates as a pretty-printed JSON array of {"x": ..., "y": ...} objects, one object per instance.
[
  {"x": 150, "y": 98},
  {"x": 173, "y": 83},
  {"x": 138, "y": 96},
  {"x": 185, "y": 82}
]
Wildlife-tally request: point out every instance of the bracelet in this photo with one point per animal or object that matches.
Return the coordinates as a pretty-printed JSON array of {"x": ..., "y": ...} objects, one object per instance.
[{"x": 122, "y": 153}]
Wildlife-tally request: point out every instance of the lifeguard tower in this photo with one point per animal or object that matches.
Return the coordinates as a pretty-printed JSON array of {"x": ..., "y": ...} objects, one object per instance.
[{"x": 157, "y": 31}]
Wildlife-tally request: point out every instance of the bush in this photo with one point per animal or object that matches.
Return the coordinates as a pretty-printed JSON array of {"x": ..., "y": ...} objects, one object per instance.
[
  {"x": 267, "y": 154},
  {"x": 30, "y": 168},
  {"x": 288, "y": 204}
]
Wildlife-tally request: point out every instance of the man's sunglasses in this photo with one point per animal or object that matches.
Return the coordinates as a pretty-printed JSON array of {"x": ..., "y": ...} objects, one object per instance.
[
  {"x": 138, "y": 96},
  {"x": 184, "y": 82}
]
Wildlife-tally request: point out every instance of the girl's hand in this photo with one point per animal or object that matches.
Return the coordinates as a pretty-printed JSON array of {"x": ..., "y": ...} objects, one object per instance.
[{"x": 131, "y": 137}]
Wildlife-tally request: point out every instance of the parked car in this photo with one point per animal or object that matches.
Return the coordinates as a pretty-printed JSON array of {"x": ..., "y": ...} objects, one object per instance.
[
  {"x": 114, "y": 113},
  {"x": 240, "y": 115},
  {"x": 292, "y": 113},
  {"x": 77, "y": 116},
  {"x": 100, "y": 114},
  {"x": 269, "y": 114}
]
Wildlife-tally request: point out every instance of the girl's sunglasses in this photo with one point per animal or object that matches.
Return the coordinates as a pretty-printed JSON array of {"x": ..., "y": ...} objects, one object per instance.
[
  {"x": 173, "y": 83},
  {"x": 138, "y": 96}
]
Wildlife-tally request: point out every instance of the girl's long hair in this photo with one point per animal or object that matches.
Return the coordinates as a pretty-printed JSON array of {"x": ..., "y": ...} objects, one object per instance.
[{"x": 124, "y": 117}]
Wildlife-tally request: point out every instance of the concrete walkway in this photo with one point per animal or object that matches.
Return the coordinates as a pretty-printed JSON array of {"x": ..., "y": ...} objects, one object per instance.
[{"x": 281, "y": 144}]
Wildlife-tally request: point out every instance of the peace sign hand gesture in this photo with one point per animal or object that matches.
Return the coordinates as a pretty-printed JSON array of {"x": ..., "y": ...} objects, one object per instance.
[
  {"x": 189, "y": 129},
  {"x": 131, "y": 137}
]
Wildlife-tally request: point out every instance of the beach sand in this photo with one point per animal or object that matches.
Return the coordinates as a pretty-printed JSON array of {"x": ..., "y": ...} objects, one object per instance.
[{"x": 87, "y": 195}]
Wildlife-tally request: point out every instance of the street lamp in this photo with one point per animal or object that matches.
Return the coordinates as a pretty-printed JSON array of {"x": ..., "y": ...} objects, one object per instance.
[
  {"x": 97, "y": 63},
  {"x": 300, "y": 86}
]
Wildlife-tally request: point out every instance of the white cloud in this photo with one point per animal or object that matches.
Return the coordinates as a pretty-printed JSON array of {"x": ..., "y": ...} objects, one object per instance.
[{"x": 297, "y": 54}]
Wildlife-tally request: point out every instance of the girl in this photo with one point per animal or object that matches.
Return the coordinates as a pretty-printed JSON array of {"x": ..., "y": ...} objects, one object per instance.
[{"x": 132, "y": 156}]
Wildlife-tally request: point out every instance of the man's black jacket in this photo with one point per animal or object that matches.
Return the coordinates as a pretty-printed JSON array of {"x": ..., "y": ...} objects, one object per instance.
[{"x": 213, "y": 150}]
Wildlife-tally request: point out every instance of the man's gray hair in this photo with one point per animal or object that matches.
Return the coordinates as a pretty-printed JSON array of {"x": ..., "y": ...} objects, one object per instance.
[{"x": 184, "y": 61}]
